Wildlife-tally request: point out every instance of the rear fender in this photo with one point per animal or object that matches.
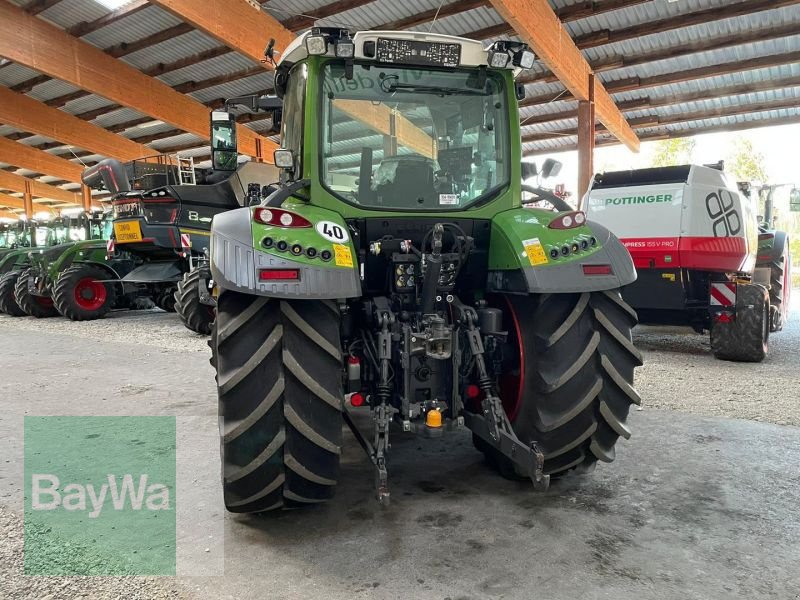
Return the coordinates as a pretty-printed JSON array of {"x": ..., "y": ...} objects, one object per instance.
[
  {"x": 238, "y": 255},
  {"x": 520, "y": 259}
]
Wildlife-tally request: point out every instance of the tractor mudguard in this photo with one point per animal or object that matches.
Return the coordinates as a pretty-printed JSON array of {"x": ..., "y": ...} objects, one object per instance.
[
  {"x": 527, "y": 256},
  {"x": 156, "y": 272},
  {"x": 238, "y": 255}
]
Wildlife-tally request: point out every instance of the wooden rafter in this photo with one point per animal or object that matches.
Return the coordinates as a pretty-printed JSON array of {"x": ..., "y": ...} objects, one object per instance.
[
  {"x": 709, "y": 93},
  {"x": 18, "y": 183},
  {"x": 237, "y": 24},
  {"x": 657, "y": 136},
  {"x": 83, "y": 65},
  {"x": 638, "y": 83},
  {"x": 28, "y": 114},
  {"x": 32, "y": 159},
  {"x": 537, "y": 24},
  {"x": 727, "y": 41},
  {"x": 657, "y": 120}
]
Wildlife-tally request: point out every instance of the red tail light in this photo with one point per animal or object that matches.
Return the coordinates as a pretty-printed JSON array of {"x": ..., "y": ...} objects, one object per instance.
[
  {"x": 279, "y": 275},
  {"x": 597, "y": 270},
  {"x": 280, "y": 218},
  {"x": 570, "y": 220}
]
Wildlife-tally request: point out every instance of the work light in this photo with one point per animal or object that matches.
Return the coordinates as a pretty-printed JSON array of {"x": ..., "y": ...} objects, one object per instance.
[
  {"x": 317, "y": 44},
  {"x": 345, "y": 47}
]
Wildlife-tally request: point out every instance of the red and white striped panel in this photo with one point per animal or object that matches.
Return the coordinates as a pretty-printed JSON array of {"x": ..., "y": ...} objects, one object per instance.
[
  {"x": 723, "y": 294},
  {"x": 186, "y": 241},
  {"x": 110, "y": 247}
]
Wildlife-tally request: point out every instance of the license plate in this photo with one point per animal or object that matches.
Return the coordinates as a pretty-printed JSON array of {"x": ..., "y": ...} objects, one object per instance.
[{"x": 129, "y": 231}]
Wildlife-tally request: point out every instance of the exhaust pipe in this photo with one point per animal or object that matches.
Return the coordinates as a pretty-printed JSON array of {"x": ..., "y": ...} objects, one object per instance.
[{"x": 109, "y": 174}]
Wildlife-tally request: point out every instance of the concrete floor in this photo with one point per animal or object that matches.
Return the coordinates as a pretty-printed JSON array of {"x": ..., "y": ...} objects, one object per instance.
[{"x": 693, "y": 508}]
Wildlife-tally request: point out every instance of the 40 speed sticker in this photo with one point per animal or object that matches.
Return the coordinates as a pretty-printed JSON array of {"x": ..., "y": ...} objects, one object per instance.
[{"x": 333, "y": 232}]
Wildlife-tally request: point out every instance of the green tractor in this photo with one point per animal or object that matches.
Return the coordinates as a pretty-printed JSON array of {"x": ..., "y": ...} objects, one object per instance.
[
  {"x": 77, "y": 279},
  {"x": 29, "y": 236},
  {"x": 396, "y": 271}
]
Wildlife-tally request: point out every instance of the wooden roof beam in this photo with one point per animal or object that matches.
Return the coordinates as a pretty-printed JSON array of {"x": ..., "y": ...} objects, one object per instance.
[
  {"x": 237, "y": 24},
  {"x": 25, "y": 157},
  {"x": 727, "y": 41},
  {"x": 85, "y": 66},
  {"x": 638, "y": 83},
  {"x": 537, "y": 24},
  {"x": 11, "y": 201},
  {"x": 18, "y": 183},
  {"x": 710, "y": 93},
  {"x": 28, "y": 114},
  {"x": 656, "y": 136}
]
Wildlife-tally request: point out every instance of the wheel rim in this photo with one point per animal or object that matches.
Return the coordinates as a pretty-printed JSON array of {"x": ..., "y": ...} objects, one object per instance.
[
  {"x": 510, "y": 383},
  {"x": 90, "y": 294}
]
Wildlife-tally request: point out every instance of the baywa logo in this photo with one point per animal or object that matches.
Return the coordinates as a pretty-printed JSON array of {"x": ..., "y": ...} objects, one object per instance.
[
  {"x": 722, "y": 210},
  {"x": 125, "y": 495},
  {"x": 100, "y": 495}
]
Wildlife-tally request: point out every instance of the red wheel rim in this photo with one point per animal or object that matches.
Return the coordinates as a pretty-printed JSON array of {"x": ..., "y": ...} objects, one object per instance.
[
  {"x": 511, "y": 383},
  {"x": 90, "y": 294}
]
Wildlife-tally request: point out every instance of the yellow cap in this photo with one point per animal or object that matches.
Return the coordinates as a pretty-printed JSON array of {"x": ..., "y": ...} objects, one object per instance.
[{"x": 433, "y": 418}]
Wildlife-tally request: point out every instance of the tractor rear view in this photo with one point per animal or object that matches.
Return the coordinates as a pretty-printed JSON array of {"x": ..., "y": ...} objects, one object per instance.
[
  {"x": 162, "y": 212},
  {"x": 395, "y": 273},
  {"x": 701, "y": 258}
]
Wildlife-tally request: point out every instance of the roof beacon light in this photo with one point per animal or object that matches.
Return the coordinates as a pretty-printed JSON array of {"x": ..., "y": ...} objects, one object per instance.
[{"x": 316, "y": 43}]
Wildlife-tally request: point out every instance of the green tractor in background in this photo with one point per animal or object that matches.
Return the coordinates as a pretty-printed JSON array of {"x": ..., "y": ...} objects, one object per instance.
[
  {"x": 76, "y": 279},
  {"x": 397, "y": 271},
  {"x": 29, "y": 236}
]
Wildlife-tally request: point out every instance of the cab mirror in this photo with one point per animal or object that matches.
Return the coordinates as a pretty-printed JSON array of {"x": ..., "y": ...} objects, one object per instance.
[
  {"x": 529, "y": 170},
  {"x": 224, "y": 155},
  {"x": 794, "y": 200},
  {"x": 551, "y": 168}
]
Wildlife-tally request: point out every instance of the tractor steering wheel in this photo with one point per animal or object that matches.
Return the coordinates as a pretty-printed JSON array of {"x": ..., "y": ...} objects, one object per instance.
[{"x": 559, "y": 204}]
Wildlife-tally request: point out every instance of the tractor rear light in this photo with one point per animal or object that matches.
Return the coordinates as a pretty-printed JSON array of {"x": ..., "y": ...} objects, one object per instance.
[
  {"x": 568, "y": 221},
  {"x": 472, "y": 391},
  {"x": 357, "y": 399},
  {"x": 279, "y": 275},
  {"x": 597, "y": 270},
  {"x": 279, "y": 218}
]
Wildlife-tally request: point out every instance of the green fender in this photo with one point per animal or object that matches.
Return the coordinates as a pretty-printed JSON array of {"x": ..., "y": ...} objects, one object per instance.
[
  {"x": 242, "y": 248},
  {"x": 527, "y": 256}
]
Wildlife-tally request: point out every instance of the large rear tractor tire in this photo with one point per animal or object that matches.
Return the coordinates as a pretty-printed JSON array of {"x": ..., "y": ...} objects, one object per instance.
[
  {"x": 195, "y": 315},
  {"x": 40, "y": 307},
  {"x": 81, "y": 295},
  {"x": 570, "y": 386},
  {"x": 279, "y": 380},
  {"x": 8, "y": 303},
  {"x": 745, "y": 337}
]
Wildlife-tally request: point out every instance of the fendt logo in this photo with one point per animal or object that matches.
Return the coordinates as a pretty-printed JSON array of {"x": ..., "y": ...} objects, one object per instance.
[{"x": 721, "y": 207}]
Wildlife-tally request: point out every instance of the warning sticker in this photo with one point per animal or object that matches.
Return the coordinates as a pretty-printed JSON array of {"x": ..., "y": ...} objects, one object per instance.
[
  {"x": 342, "y": 255},
  {"x": 448, "y": 199},
  {"x": 535, "y": 251}
]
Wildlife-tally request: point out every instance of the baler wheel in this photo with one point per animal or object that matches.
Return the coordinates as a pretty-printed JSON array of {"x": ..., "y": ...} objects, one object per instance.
[{"x": 745, "y": 337}]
